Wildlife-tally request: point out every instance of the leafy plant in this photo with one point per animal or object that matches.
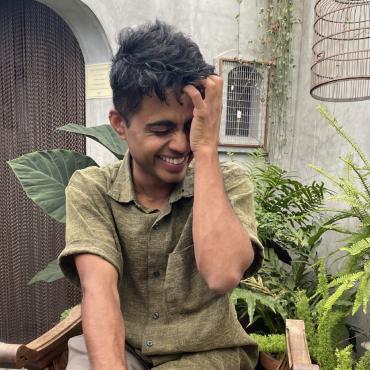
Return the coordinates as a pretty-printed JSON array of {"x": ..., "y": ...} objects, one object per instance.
[
  {"x": 274, "y": 343},
  {"x": 364, "y": 361},
  {"x": 353, "y": 190},
  {"x": 288, "y": 214},
  {"x": 324, "y": 323},
  {"x": 44, "y": 176},
  {"x": 344, "y": 358}
]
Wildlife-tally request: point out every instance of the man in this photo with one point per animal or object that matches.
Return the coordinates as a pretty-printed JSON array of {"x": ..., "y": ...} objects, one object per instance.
[{"x": 155, "y": 244}]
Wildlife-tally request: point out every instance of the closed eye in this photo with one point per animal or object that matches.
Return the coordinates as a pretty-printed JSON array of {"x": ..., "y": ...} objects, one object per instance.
[{"x": 160, "y": 127}]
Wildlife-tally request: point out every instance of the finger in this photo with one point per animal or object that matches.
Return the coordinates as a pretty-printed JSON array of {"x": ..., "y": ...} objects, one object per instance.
[
  {"x": 194, "y": 95},
  {"x": 218, "y": 84}
]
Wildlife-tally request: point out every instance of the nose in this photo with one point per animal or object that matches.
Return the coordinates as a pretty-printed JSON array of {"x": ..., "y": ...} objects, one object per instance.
[{"x": 180, "y": 142}]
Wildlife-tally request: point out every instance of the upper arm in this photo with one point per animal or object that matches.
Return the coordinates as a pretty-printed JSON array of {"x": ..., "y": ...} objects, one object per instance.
[
  {"x": 90, "y": 226},
  {"x": 94, "y": 270}
]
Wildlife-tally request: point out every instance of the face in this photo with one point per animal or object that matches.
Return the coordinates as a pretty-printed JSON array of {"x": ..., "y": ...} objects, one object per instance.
[{"x": 158, "y": 140}]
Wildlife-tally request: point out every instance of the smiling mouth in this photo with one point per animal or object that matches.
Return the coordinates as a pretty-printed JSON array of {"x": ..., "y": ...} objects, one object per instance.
[{"x": 171, "y": 160}]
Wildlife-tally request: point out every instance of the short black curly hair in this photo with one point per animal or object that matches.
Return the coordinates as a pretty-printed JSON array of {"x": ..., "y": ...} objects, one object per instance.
[{"x": 152, "y": 58}]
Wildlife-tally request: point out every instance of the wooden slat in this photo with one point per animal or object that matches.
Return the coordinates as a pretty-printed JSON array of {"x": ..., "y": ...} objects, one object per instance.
[
  {"x": 305, "y": 367},
  {"x": 298, "y": 354},
  {"x": 8, "y": 355},
  {"x": 50, "y": 346}
]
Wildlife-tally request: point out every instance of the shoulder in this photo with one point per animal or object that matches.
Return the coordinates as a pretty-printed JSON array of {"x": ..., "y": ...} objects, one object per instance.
[
  {"x": 94, "y": 177},
  {"x": 235, "y": 174}
]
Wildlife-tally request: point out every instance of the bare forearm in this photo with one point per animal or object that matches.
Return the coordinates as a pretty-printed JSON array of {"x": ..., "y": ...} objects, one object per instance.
[
  {"x": 104, "y": 329},
  {"x": 222, "y": 247}
]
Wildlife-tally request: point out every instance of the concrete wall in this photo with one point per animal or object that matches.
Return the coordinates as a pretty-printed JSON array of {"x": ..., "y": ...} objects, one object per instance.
[
  {"x": 210, "y": 23},
  {"x": 311, "y": 139}
]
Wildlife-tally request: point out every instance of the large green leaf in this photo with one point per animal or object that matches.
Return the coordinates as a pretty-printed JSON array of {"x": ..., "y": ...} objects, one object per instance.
[
  {"x": 103, "y": 134},
  {"x": 50, "y": 273},
  {"x": 44, "y": 176}
]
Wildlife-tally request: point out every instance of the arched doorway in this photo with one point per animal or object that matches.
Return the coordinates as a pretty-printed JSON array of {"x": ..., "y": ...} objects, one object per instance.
[{"x": 42, "y": 82}]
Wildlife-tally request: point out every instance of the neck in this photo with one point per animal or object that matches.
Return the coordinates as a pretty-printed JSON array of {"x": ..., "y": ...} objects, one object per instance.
[{"x": 150, "y": 193}]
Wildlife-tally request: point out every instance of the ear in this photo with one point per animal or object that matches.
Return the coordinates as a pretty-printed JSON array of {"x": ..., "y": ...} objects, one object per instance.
[{"x": 118, "y": 123}]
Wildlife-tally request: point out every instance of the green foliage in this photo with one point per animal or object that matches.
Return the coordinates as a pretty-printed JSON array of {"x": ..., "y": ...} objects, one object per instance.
[
  {"x": 274, "y": 343},
  {"x": 325, "y": 323},
  {"x": 276, "y": 42},
  {"x": 364, "y": 362},
  {"x": 65, "y": 314},
  {"x": 49, "y": 274},
  {"x": 304, "y": 312},
  {"x": 103, "y": 134},
  {"x": 249, "y": 301},
  {"x": 344, "y": 358},
  {"x": 353, "y": 191},
  {"x": 44, "y": 176},
  {"x": 287, "y": 213}
]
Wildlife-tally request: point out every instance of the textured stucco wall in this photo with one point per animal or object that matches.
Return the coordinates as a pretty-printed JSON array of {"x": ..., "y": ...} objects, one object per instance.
[{"x": 210, "y": 23}]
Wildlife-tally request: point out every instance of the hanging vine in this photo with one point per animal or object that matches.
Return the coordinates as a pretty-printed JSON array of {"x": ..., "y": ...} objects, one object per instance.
[{"x": 277, "y": 21}]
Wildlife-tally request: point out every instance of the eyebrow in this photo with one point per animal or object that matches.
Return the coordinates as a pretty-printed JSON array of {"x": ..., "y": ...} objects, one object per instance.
[{"x": 166, "y": 123}]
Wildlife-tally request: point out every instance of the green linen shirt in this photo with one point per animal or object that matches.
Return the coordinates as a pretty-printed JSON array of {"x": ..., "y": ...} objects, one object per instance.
[{"x": 166, "y": 304}]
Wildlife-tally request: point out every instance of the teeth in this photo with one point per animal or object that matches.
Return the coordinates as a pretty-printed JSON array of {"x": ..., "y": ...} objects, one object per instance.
[{"x": 173, "y": 160}]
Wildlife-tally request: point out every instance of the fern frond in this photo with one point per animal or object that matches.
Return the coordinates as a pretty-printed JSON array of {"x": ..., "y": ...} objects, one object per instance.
[
  {"x": 256, "y": 283},
  {"x": 361, "y": 177},
  {"x": 358, "y": 248},
  {"x": 344, "y": 358},
  {"x": 303, "y": 312},
  {"x": 334, "y": 123},
  {"x": 342, "y": 279},
  {"x": 322, "y": 280},
  {"x": 364, "y": 362},
  {"x": 332, "y": 299},
  {"x": 362, "y": 294},
  {"x": 363, "y": 291},
  {"x": 326, "y": 174},
  {"x": 250, "y": 299}
]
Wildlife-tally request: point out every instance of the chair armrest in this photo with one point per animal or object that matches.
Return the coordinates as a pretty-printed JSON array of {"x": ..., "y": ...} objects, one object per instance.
[
  {"x": 8, "y": 355},
  {"x": 297, "y": 348},
  {"x": 43, "y": 350}
]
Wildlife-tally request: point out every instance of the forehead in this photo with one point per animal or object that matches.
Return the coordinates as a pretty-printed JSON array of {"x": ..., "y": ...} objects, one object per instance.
[{"x": 174, "y": 109}]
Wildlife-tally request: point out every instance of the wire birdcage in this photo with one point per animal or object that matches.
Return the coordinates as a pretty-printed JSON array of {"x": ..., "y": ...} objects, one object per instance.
[{"x": 340, "y": 70}]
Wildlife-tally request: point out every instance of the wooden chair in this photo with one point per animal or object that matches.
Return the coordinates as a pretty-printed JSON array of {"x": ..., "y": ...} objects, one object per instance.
[{"x": 50, "y": 352}]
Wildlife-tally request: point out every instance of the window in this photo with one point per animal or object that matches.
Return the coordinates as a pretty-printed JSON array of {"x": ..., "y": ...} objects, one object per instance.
[{"x": 245, "y": 102}]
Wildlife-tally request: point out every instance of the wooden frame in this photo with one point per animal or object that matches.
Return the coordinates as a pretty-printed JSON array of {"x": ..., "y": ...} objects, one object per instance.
[{"x": 50, "y": 351}]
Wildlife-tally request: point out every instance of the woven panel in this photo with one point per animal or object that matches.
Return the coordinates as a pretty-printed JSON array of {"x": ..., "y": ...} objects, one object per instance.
[{"x": 41, "y": 88}]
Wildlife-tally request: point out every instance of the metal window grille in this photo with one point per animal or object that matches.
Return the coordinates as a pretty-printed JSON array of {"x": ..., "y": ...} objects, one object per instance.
[{"x": 245, "y": 102}]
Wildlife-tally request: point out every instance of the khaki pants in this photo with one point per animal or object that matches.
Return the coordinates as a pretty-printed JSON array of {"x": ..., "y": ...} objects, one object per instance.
[{"x": 78, "y": 359}]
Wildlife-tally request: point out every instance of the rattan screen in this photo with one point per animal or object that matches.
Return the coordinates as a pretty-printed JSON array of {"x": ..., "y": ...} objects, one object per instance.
[{"x": 41, "y": 88}]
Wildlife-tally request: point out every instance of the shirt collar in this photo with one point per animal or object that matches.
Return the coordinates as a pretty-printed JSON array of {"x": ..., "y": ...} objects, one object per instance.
[{"x": 122, "y": 188}]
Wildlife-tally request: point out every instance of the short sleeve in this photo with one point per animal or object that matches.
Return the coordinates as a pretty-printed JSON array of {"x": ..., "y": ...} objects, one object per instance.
[
  {"x": 90, "y": 227},
  {"x": 239, "y": 189}
]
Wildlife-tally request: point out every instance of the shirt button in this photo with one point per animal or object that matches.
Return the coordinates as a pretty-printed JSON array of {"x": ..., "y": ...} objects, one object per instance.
[
  {"x": 156, "y": 274},
  {"x": 155, "y": 315},
  {"x": 156, "y": 227},
  {"x": 149, "y": 343}
]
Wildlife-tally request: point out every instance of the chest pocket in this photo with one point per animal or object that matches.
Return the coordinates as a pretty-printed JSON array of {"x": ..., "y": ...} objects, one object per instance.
[{"x": 185, "y": 289}]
